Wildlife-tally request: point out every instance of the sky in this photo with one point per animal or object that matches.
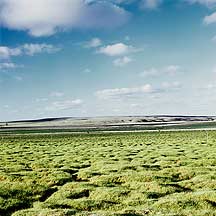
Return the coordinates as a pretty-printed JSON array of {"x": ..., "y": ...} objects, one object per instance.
[{"x": 107, "y": 58}]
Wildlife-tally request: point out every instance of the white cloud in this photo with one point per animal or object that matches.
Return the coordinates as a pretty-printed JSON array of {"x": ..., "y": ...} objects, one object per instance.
[
  {"x": 124, "y": 92},
  {"x": 46, "y": 17},
  {"x": 208, "y": 3},
  {"x": 6, "y": 52},
  {"x": 210, "y": 19},
  {"x": 120, "y": 62},
  {"x": 38, "y": 100},
  {"x": 150, "y": 4},
  {"x": 134, "y": 105},
  {"x": 171, "y": 85},
  {"x": 87, "y": 70},
  {"x": 18, "y": 78},
  {"x": 170, "y": 70},
  {"x": 32, "y": 49},
  {"x": 150, "y": 72},
  {"x": 210, "y": 87},
  {"x": 56, "y": 94},
  {"x": 27, "y": 49},
  {"x": 7, "y": 65},
  {"x": 214, "y": 39},
  {"x": 122, "y": 1},
  {"x": 214, "y": 70},
  {"x": 94, "y": 42},
  {"x": 127, "y": 38},
  {"x": 65, "y": 105},
  {"x": 118, "y": 49}
]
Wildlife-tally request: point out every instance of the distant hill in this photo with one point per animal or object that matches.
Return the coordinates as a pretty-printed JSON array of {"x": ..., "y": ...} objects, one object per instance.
[{"x": 114, "y": 122}]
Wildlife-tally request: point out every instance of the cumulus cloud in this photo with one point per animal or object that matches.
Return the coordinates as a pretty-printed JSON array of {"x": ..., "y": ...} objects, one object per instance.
[
  {"x": 118, "y": 49},
  {"x": 27, "y": 49},
  {"x": 120, "y": 62},
  {"x": 65, "y": 105},
  {"x": 46, "y": 17}
]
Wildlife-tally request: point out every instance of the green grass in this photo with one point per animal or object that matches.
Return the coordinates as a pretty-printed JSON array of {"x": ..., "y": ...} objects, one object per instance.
[{"x": 157, "y": 173}]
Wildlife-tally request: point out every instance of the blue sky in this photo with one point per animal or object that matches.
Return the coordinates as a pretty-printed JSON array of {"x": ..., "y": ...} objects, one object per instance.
[{"x": 102, "y": 58}]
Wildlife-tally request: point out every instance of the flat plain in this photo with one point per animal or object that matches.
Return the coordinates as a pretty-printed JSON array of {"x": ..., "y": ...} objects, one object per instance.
[{"x": 144, "y": 173}]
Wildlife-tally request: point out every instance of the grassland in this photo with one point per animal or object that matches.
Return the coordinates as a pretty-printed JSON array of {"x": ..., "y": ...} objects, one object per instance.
[{"x": 157, "y": 173}]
